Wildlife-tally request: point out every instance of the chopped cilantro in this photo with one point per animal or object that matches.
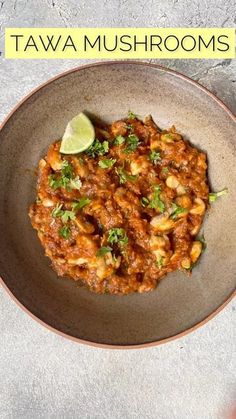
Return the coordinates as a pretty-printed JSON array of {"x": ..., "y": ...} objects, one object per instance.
[
  {"x": 176, "y": 210},
  {"x": 103, "y": 251},
  {"x": 66, "y": 179},
  {"x": 213, "y": 196},
  {"x": 56, "y": 182},
  {"x": 156, "y": 201},
  {"x": 117, "y": 235},
  {"x": 57, "y": 211},
  {"x": 132, "y": 142},
  {"x": 67, "y": 216},
  {"x": 75, "y": 183},
  {"x": 131, "y": 115},
  {"x": 98, "y": 148},
  {"x": 124, "y": 176},
  {"x": 119, "y": 140},
  {"x": 106, "y": 163},
  {"x": 65, "y": 232},
  {"x": 154, "y": 156},
  {"x": 159, "y": 262},
  {"x": 165, "y": 170},
  {"x": 82, "y": 202},
  {"x": 67, "y": 169}
]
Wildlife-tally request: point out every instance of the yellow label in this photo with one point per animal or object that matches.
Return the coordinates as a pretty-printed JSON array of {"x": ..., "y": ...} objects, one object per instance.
[{"x": 119, "y": 43}]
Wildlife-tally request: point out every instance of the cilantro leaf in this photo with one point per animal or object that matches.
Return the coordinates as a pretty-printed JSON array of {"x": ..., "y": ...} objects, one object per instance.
[
  {"x": 132, "y": 142},
  {"x": 124, "y": 176},
  {"x": 119, "y": 140},
  {"x": 67, "y": 215},
  {"x": 98, "y": 148},
  {"x": 156, "y": 201},
  {"x": 55, "y": 182},
  {"x": 117, "y": 235},
  {"x": 66, "y": 179},
  {"x": 75, "y": 183},
  {"x": 57, "y": 211},
  {"x": 159, "y": 262},
  {"x": 65, "y": 232},
  {"x": 131, "y": 115},
  {"x": 165, "y": 170},
  {"x": 106, "y": 163},
  {"x": 67, "y": 169},
  {"x": 154, "y": 156},
  {"x": 103, "y": 251},
  {"x": 176, "y": 210},
  {"x": 82, "y": 202},
  {"x": 213, "y": 196}
]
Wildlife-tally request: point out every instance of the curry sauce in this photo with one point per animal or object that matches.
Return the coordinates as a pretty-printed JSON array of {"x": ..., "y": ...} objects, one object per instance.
[{"x": 125, "y": 212}]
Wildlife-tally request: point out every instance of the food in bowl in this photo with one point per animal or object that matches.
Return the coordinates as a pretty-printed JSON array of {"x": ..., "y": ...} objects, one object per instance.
[{"x": 126, "y": 211}]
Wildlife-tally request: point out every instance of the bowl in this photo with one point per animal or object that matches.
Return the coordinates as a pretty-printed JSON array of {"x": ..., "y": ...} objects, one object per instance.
[{"x": 108, "y": 90}]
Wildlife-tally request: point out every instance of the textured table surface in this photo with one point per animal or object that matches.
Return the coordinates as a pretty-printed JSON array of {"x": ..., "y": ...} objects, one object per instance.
[{"x": 43, "y": 375}]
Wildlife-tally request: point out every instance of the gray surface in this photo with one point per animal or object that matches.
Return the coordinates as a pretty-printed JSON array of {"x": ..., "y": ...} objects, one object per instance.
[{"x": 45, "y": 376}]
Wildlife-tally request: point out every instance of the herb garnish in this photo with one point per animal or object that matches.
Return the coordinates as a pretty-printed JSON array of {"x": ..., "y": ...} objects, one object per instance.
[
  {"x": 103, "y": 251},
  {"x": 213, "y": 196},
  {"x": 131, "y": 115},
  {"x": 56, "y": 183},
  {"x": 75, "y": 183},
  {"x": 66, "y": 179},
  {"x": 119, "y": 140},
  {"x": 98, "y": 148},
  {"x": 156, "y": 201},
  {"x": 154, "y": 156},
  {"x": 65, "y": 232},
  {"x": 82, "y": 202},
  {"x": 124, "y": 176},
  {"x": 67, "y": 216},
  {"x": 176, "y": 210},
  {"x": 57, "y": 211},
  {"x": 159, "y": 262},
  {"x": 117, "y": 235},
  {"x": 132, "y": 142},
  {"x": 67, "y": 169},
  {"x": 106, "y": 163},
  {"x": 165, "y": 170}
]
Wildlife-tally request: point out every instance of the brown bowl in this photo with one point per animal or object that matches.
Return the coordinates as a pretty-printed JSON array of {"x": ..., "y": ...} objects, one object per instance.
[{"x": 109, "y": 90}]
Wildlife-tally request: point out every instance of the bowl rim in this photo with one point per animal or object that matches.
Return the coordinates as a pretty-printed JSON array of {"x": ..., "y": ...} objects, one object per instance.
[{"x": 21, "y": 305}]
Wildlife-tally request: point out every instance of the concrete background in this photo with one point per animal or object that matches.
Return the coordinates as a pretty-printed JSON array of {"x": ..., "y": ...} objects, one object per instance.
[{"x": 45, "y": 376}]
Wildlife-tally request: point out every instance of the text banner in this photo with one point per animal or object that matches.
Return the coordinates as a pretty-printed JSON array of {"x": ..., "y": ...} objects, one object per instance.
[{"x": 119, "y": 43}]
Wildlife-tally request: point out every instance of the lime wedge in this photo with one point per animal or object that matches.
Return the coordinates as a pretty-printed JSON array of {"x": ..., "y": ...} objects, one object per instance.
[{"x": 78, "y": 136}]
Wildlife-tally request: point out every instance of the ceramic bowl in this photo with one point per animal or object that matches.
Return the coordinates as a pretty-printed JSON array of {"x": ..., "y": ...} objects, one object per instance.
[{"x": 108, "y": 90}]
